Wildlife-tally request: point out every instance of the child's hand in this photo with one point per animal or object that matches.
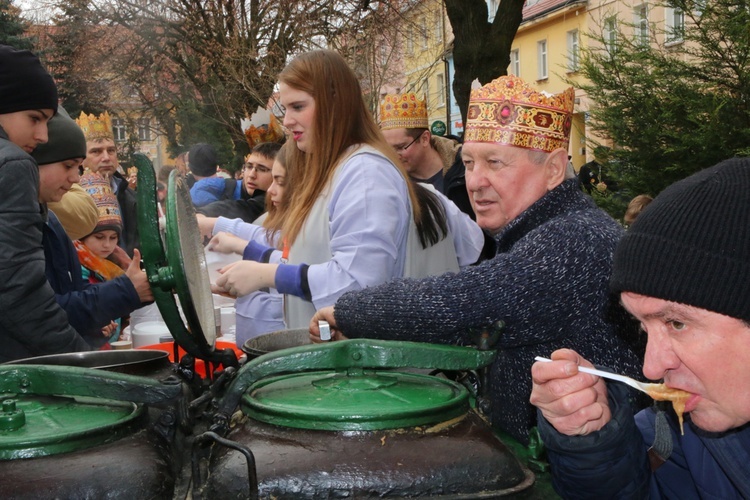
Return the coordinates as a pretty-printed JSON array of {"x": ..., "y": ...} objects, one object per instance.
[{"x": 139, "y": 278}]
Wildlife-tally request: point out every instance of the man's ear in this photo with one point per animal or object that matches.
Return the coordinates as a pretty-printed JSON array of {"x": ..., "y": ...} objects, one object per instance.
[{"x": 556, "y": 167}]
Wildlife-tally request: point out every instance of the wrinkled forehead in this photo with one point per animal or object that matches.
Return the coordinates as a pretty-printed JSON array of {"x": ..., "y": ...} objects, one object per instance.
[
  {"x": 483, "y": 150},
  {"x": 100, "y": 144}
]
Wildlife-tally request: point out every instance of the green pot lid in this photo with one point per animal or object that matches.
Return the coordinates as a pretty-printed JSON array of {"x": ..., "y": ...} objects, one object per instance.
[
  {"x": 47, "y": 409},
  {"x": 355, "y": 399},
  {"x": 36, "y": 426},
  {"x": 181, "y": 268}
]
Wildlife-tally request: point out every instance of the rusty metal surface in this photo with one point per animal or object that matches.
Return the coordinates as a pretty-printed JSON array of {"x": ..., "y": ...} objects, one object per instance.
[
  {"x": 131, "y": 468},
  {"x": 464, "y": 460}
]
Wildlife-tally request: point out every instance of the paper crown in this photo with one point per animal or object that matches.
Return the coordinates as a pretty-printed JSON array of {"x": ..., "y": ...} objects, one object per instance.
[
  {"x": 508, "y": 111},
  {"x": 403, "y": 111},
  {"x": 263, "y": 126},
  {"x": 106, "y": 203},
  {"x": 96, "y": 128}
]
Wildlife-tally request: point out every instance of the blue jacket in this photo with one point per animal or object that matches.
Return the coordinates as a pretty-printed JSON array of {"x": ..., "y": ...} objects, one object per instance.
[
  {"x": 613, "y": 462},
  {"x": 213, "y": 189},
  {"x": 90, "y": 307}
]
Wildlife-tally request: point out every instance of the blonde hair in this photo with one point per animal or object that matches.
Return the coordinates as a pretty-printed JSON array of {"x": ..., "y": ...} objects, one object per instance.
[{"x": 341, "y": 120}]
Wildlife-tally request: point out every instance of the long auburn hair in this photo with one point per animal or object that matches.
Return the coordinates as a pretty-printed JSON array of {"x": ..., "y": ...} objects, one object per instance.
[
  {"x": 341, "y": 120},
  {"x": 274, "y": 221}
]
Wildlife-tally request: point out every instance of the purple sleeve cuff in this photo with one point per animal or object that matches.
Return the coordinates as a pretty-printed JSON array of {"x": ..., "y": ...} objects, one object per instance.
[
  {"x": 292, "y": 279},
  {"x": 257, "y": 252}
]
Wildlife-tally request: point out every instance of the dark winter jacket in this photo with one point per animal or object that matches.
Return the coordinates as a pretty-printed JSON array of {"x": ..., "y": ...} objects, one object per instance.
[
  {"x": 613, "y": 462},
  {"x": 90, "y": 307},
  {"x": 128, "y": 201},
  {"x": 549, "y": 283},
  {"x": 248, "y": 208},
  {"x": 454, "y": 174},
  {"x": 31, "y": 322}
]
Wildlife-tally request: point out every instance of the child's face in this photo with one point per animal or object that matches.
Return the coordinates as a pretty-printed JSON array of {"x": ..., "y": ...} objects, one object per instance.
[
  {"x": 56, "y": 179},
  {"x": 278, "y": 186},
  {"x": 26, "y": 129},
  {"x": 102, "y": 243}
]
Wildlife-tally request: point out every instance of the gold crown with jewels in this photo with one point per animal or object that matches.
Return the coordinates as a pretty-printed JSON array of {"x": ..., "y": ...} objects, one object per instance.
[
  {"x": 403, "y": 111},
  {"x": 508, "y": 111}
]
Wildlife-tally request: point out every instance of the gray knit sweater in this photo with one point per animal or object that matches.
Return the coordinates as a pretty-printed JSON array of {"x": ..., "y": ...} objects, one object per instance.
[{"x": 548, "y": 283}]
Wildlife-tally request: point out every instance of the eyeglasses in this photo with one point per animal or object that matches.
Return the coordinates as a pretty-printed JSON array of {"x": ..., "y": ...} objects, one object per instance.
[
  {"x": 399, "y": 149},
  {"x": 258, "y": 168}
]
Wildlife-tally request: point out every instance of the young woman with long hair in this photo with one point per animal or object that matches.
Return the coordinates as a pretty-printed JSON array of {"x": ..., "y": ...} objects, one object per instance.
[{"x": 355, "y": 219}]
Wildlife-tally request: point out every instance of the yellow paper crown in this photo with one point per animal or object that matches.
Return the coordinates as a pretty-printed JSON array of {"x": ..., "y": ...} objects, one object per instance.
[
  {"x": 508, "y": 111},
  {"x": 96, "y": 128},
  {"x": 403, "y": 111}
]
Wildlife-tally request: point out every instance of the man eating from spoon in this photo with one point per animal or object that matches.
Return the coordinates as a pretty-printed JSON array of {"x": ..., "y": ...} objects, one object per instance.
[{"x": 683, "y": 272}]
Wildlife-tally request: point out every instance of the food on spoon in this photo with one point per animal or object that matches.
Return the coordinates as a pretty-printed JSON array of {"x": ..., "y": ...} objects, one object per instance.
[{"x": 678, "y": 397}]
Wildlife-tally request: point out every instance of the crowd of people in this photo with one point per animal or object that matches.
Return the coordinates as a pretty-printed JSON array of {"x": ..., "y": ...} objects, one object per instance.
[{"x": 386, "y": 231}]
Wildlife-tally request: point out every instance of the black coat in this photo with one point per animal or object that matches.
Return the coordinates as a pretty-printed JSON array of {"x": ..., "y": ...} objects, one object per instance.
[
  {"x": 31, "y": 321},
  {"x": 128, "y": 200}
]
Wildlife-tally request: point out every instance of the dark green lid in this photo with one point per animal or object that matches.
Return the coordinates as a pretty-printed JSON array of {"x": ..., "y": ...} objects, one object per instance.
[
  {"x": 355, "y": 399},
  {"x": 46, "y": 409},
  {"x": 54, "y": 425}
]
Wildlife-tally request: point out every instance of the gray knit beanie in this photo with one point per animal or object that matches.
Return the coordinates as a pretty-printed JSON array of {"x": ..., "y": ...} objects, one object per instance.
[
  {"x": 66, "y": 140},
  {"x": 24, "y": 83},
  {"x": 692, "y": 243}
]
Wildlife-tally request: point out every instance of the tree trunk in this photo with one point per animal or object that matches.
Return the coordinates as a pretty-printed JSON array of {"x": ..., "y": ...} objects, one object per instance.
[{"x": 480, "y": 50}]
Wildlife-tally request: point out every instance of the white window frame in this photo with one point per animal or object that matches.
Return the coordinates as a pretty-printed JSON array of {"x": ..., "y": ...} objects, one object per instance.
[
  {"x": 424, "y": 33},
  {"x": 439, "y": 26},
  {"x": 440, "y": 90},
  {"x": 144, "y": 129},
  {"x": 674, "y": 24},
  {"x": 640, "y": 24},
  {"x": 515, "y": 62},
  {"x": 491, "y": 10},
  {"x": 542, "y": 63},
  {"x": 119, "y": 130},
  {"x": 610, "y": 34},
  {"x": 573, "y": 51},
  {"x": 410, "y": 41}
]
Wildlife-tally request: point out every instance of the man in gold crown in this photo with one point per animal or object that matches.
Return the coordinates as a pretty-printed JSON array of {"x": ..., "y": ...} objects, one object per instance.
[
  {"x": 548, "y": 281},
  {"x": 101, "y": 158},
  {"x": 427, "y": 158}
]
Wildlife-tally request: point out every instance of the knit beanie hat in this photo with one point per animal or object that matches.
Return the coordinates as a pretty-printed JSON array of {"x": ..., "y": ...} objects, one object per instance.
[
  {"x": 692, "y": 243},
  {"x": 202, "y": 160},
  {"x": 66, "y": 140},
  {"x": 106, "y": 202},
  {"x": 24, "y": 83}
]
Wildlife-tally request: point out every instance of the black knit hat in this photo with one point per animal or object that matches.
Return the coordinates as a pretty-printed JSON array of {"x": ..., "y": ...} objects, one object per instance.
[
  {"x": 66, "y": 140},
  {"x": 24, "y": 83},
  {"x": 692, "y": 243},
  {"x": 202, "y": 160}
]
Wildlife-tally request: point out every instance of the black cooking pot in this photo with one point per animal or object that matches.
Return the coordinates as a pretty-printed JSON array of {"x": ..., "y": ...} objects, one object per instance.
[
  {"x": 275, "y": 341},
  {"x": 132, "y": 362}
]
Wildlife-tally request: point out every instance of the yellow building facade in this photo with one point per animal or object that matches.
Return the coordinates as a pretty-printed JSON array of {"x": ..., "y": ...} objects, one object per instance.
[
  {"x": 546, "y": 53},
  {"x": 427, "y": 35}
]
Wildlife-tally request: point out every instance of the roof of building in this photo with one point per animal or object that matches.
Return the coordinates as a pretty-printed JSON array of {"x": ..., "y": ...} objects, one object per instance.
[{"x": 534, "y": 9}]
